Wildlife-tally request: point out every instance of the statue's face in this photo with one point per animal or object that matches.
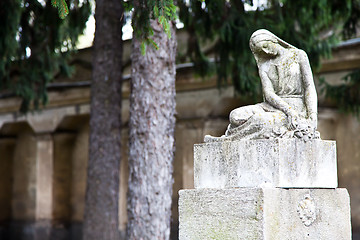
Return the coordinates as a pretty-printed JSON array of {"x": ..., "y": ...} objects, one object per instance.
[
  {"x": 265, "y": 45},
  {"x": 269, "y": 47}
]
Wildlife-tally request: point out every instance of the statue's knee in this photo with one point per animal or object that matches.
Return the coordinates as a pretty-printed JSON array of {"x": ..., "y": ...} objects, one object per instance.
[
  {"x": 238, "y": 117},
  {"x": 232, "y": 115}
]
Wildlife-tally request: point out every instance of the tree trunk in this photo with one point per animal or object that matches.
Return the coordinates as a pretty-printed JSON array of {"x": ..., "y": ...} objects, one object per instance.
[
  {"x": 101, "y": 206},
  {"x": 152, "y": 122}
]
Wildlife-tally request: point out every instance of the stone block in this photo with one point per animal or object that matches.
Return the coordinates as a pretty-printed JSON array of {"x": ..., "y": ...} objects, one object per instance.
[
  {"x": 286, "y": 163},
  {"x": 264, "y": 213}
]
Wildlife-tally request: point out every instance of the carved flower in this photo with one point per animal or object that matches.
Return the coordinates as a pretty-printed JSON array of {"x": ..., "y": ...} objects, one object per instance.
[{"x": 307, "y": 210}]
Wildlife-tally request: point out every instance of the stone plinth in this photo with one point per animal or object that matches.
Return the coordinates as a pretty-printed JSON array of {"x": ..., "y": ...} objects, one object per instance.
[
  {"x": 264, "y": 213},
  {"x": 286, "y": 163}
]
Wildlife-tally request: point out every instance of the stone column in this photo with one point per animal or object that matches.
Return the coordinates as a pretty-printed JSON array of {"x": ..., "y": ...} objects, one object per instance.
[
  {"x": 44, "y": 176},
  {"x": 44, "y": 185},
  {"x": 32, "y": 186}
]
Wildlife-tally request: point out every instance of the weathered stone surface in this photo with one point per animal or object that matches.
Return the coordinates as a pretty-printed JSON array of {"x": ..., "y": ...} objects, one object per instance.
[
  {"x": 44, "y": 177},
  {"x": 288, "y": 163},
  {"x": 264, "y": 213}
]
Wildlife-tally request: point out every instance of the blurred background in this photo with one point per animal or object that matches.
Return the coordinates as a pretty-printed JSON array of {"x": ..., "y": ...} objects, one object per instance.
[{"x": 46, "y": 73}]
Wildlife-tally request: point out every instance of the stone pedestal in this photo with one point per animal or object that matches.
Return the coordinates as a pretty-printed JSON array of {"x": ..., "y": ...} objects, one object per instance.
[
  {"x": 264, "y": 213},
  {"x": 265, "y": 189},
  {"x": 287, "y": 163}
]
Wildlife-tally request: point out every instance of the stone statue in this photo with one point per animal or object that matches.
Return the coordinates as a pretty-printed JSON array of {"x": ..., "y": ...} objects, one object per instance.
[{"x": 290, "y": 101}]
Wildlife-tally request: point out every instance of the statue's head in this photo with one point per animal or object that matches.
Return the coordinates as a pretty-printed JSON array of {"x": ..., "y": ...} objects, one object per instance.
[{"x": 264, "y": 43}]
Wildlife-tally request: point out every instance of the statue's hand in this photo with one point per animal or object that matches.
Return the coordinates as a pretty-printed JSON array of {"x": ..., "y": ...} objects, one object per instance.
[{"x": 293, "y": 120}]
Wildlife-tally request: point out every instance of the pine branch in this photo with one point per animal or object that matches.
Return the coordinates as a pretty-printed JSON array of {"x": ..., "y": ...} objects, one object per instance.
[
  {"x": 164, "y": 11},
  {"x": 36, "y": 44},
  {"x": 62, "y": 7}
]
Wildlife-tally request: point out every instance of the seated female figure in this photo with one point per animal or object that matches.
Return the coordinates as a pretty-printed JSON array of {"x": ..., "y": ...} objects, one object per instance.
[{"x": 290, "y": 101}]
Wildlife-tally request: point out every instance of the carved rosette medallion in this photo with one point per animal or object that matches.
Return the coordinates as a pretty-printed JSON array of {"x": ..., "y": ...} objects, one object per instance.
[{"x": 307, "y": 210}]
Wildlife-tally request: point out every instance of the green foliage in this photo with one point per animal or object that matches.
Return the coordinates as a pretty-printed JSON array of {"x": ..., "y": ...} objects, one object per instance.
[
  {"x": 347, "y": 94},
  {"x": 352, "y": 21},
  {"x": 61, "y": 6},
  {"x": 309, "y": 25},
  {"x": 35, "y": 45},
  {"x": 163, "y": 11},
  {"x": 8, "y": 35}
]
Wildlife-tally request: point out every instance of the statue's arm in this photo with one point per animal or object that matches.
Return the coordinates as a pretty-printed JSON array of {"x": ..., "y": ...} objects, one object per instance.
[
  {"x": 309, "y": 88},
  {"x": 271, "y": 97}
]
